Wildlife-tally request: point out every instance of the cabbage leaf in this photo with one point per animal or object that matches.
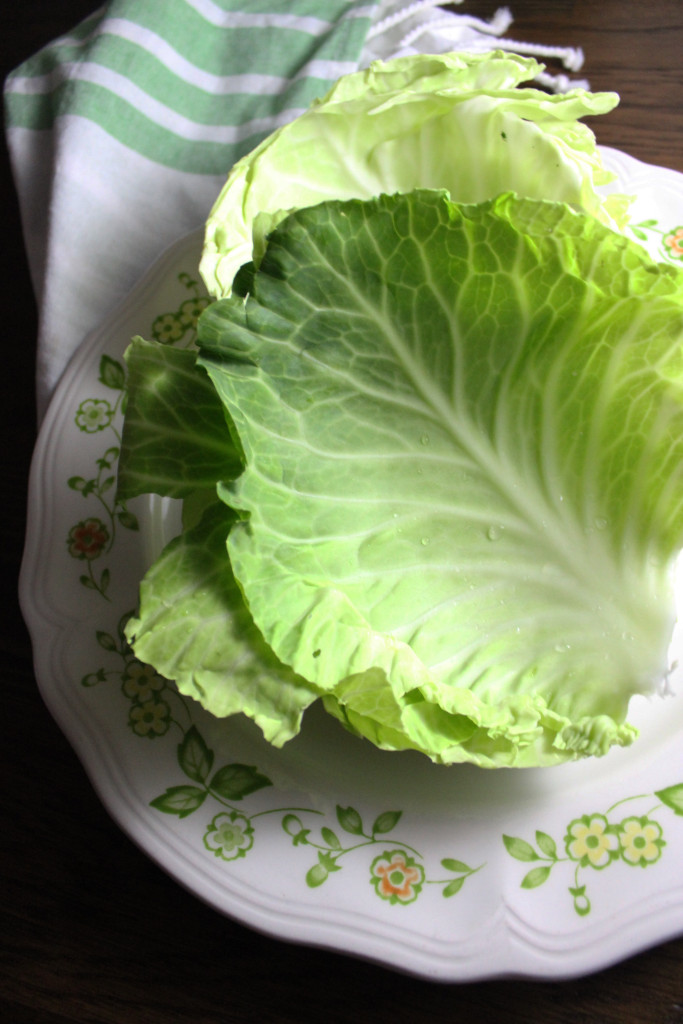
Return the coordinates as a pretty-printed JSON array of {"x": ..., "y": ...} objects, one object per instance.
[
  {"x": 196, "y": 630},
  {"x": 176, "y": 440},
  {"x": 457, "y": 121}
]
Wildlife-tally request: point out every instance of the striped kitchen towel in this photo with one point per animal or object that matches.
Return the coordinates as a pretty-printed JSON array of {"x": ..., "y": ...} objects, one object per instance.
[{"x": 122, "y": 132}]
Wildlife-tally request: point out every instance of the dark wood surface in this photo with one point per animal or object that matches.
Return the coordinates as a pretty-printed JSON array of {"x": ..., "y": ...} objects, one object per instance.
[{"x": 91, "y": 930}]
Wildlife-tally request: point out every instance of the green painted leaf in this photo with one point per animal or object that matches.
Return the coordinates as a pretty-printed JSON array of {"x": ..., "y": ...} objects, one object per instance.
[
  {"x": 546, "y": 844},
  {"x": 128, "y": 519},
  {"x": 386, "y": 821},
  {"x": 519, "y": 848},
  {"x": 330, "y": 838},
  {"x": 350, "y": 820},
  {"x": 672, "y": 796},
  {"x": 105, "y": 640},
  {"x": 179, "y": 800},
  {"x": 93, "y": 678},
  {"x": 112, "y": 373},
  {"x": 194, "y": 756},
  {"x": 455, "y": 865},
  {"x": 536, "y": 877},
  {"x": 582, "y": 905},
  {"x": 110, "y": 456},
  {"x": 293, "y": 826},
  {"x": 316, "y": 875},
  {"x": 454, "y": 886},
  {"x": 121, "y": 627},
  {"x": 235, "y": 781}
]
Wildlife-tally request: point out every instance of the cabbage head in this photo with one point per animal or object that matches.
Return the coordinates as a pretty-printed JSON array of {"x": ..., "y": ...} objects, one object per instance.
[{"x": 442, "y": 486}]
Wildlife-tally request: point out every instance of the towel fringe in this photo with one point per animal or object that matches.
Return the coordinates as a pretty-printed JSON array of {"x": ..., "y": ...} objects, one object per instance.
[{"x": 399, "y": 26}]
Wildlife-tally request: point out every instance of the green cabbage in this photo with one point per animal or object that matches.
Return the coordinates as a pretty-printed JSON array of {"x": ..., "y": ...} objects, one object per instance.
[
  {"x": 456, "y": 495},
  {"x": 456, "y": 121}
]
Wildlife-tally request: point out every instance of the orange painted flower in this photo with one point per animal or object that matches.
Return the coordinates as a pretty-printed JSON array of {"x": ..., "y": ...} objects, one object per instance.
[
  {"x": 88, "y": 539},
  {"x": 674, "y": 243},
  {"x": 396, "y": 877}
]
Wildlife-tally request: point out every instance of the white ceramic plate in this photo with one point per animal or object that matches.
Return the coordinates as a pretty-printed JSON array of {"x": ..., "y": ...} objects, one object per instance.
[{"x": 448, "y": 873}]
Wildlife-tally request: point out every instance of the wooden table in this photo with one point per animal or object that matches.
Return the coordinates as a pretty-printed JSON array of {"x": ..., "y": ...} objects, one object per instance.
[{"x": 92, "y": 931}]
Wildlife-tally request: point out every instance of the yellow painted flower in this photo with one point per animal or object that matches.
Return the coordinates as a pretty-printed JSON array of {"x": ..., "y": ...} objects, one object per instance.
[
  {"x": 190, "y": 311},
  {"x": 93, "y": 414},
  {"x": 140, "y": 682},
  {"x": 150, "y": 719},
  {"x": 167, "y": 328},
  {"x": 641, "y": 841},
  {"x": 592, "y": 841},
  {"x": 229, "y": 836}
]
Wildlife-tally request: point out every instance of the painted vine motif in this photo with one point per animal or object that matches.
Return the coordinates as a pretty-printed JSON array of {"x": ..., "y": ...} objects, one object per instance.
[
  {"x": 670, "y": 240},
  {"x": 597, "y": 840},
  {"x": 396, "y": 869},
  {"x": 94, "y": 535},
  {"x": 179, "y": 328}
]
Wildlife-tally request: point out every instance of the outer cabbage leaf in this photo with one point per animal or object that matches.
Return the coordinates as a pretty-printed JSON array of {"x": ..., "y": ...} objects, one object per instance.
[
  {"x": 194, "y": 628},
  {"x": 463, "y": 494},
  {"x": 454, "y": 121},
  {"x": 175, "y": 437}
]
